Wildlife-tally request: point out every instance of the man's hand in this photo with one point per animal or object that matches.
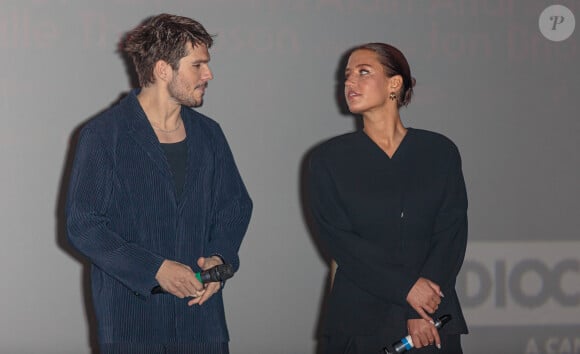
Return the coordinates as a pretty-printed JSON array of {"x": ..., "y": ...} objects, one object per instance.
[
  {"x": 423, "y": 333},
  {"x": 178, "y": 279},
  {"x": 425, "y": 297},
  {"x": 209, "y": 288}
]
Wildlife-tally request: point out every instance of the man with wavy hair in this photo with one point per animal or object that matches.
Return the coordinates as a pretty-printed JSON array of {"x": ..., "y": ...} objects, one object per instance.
[{"x": 155, "y": 196}]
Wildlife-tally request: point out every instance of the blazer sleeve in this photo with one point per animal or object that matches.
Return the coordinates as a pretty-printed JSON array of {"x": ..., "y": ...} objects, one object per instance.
[
  {"x": 358, "y": 260},
  {"x": 232, "y": 205},
  {"x": 88, "y": 199},
  {"x": 449, "y": 238}
]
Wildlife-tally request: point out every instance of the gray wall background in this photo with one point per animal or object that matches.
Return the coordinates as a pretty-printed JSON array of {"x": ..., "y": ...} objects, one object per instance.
[{"x": 486, "y": 77}]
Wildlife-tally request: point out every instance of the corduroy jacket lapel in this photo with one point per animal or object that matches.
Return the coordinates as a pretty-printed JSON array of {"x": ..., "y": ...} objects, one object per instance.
[
  {"x": 140, "y": 130},
  {"x": 197, "y": 150}
]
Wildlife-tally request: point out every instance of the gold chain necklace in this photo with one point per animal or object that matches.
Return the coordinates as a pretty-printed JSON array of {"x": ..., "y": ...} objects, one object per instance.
[{"x": 167, "y": 131}]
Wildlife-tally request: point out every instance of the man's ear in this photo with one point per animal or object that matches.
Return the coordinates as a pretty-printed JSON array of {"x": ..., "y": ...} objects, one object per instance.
[{"x": 162, "y": 71}]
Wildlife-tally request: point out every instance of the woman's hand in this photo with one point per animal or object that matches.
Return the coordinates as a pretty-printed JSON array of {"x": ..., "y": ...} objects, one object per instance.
[
  {"x": 425, "y": 297},
  {"x": 423, "y": 333}
]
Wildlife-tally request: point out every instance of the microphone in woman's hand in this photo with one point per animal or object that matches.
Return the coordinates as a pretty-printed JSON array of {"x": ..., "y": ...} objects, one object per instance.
[{"x": 407, "y": 343}]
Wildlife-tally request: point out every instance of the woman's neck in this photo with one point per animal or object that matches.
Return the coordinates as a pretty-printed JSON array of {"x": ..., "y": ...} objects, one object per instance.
[{"x": 387, "y": 130}]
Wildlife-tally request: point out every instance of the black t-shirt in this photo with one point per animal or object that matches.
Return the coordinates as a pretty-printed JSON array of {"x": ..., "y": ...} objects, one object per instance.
[{"x": 176, "y": 154}]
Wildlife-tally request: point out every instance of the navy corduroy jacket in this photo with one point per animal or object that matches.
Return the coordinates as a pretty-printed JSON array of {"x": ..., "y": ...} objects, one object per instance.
[{"x": 123, "y": 214}]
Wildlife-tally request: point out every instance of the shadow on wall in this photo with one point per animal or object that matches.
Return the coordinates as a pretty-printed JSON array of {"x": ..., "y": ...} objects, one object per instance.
[
  {"x": 309, "y": 222},
  {"x": 304, "y": 199}
]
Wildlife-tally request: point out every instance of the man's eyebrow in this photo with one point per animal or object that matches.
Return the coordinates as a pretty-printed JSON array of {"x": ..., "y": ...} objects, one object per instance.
[{"x": 200, "y": 61}]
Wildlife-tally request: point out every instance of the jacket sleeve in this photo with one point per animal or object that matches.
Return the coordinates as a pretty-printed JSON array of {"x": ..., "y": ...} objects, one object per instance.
[
  {"x": 87, "y": 220},
  {"x": 449, "y": 238},
  {"x": 360, "y": 261},
  {"x": 232, "y": 207}
]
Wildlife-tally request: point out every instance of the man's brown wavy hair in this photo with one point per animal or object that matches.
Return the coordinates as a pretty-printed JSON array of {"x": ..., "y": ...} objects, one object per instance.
[{"x": 162, "y": 37}]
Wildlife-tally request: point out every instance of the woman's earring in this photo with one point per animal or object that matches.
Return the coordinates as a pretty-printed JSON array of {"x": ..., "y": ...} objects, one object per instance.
[{"x": 392, "y": 96}]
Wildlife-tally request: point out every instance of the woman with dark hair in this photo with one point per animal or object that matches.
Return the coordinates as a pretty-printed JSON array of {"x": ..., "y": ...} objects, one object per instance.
[{"x": 391, "y": 208}]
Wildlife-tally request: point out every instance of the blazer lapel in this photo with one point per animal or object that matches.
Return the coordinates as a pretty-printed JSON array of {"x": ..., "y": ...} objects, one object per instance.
[
  {"x": 196, "y": 153},
  {"x": 140, "y": 130}
]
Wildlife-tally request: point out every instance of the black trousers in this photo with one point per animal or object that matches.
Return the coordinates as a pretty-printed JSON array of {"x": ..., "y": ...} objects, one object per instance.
[
  {"x": 188, "y": 348},
  {"x": 338, "y": 344}
]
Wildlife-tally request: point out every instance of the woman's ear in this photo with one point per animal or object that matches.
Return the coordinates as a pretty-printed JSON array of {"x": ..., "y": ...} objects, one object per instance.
[{"x": 396, "y": 82}]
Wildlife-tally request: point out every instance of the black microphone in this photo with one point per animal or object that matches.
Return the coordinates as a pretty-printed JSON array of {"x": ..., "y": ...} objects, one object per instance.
[
  {"x": 218, "y": 273},
  {"x": 407, "y": 343}
]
